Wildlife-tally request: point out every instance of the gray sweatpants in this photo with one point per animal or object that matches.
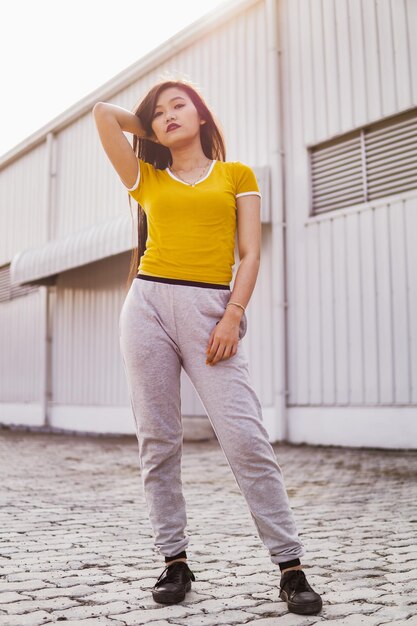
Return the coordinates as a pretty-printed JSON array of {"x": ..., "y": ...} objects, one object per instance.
[{"x": 162, "y": 327}]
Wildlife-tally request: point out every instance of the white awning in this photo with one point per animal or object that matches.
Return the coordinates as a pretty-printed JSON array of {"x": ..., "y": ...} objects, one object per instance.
[{"x": 100, "y": 241}]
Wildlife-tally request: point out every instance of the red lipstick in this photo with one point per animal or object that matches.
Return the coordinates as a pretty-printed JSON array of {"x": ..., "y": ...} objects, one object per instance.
[{"x": 172, "y": 127}]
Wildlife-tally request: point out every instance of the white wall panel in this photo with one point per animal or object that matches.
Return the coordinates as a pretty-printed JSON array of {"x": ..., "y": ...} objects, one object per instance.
[
  {"x": 87, "y": 367},
  {"x": 410, "y": 227},
  {"x": 354, "y": 313},
  {"x": 350, "y": 277},
  {"x": 402, "y": 58},
  {"x": 401, "y": 322},
  {"x": 410, "y": 35},
  {"x": 359, "y": 79},
  {"x": 360, "y": 303},
  {"x": 313, "y": 312},
  {"x": 384, "y": 309},
  {"x": 21, "y": 340},
  {"x": 331, "y": 96},
  {"x": 373, "y": 93},
  {"x": 389, "y": 76},
  {"x": 340, "y": 319},
  {"x": 23, "y": 193},
  {"x": 355, "y": 61},
  {"x": 369, "y": 306},
  {"x": 295, "y": 183},
  {"x": 328, "y": 361},
  {"x": 86, "y": 189}
]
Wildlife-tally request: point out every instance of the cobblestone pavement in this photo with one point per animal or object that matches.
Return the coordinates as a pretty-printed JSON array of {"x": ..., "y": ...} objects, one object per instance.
[{"x": 76, "y": 544}]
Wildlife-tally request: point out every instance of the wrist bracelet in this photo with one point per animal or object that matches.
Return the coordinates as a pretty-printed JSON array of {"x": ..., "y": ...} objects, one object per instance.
[{"x": 237, "y": 304}]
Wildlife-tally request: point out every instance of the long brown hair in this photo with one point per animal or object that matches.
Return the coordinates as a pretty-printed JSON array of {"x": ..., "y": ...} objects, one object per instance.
[{"x": 212, "y": 142}]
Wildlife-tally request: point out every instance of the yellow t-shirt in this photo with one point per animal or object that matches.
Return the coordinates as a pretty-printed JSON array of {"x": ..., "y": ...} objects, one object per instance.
[{"x": 191, "y": 229}]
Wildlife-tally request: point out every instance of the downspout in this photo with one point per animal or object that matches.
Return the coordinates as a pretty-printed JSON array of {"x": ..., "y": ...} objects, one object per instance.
[
  {"x": 278, "y": 270},
  {"x": 45, "y": 290}
]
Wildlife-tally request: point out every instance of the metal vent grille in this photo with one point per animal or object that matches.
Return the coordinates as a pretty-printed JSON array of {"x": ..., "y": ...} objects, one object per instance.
[{"x": 372, "y": 162}]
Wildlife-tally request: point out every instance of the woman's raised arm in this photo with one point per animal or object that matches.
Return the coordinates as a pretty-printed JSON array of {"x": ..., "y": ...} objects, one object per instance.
[{"x": 111, "y": 120}]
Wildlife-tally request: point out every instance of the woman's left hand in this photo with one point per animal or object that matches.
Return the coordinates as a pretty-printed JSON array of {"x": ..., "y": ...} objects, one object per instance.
[{"x": 223, "y": 341}]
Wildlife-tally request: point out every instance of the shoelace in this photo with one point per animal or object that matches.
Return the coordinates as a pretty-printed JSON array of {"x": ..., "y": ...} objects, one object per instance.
[
  {"x": 296, "y": 581},
  {"x": 173, "y": 575}
]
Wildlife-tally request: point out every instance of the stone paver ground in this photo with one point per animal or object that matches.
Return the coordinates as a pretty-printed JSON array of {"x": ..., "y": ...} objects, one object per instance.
[{"x": 76, "y": 544}]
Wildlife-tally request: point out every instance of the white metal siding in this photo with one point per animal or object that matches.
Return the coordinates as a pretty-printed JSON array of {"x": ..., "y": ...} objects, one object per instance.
[
  {"x": 230, "y": 64},
  {"x": 361, "y": 305},
  {"x": 352, "y": 293},
  {"x": 22, "y": 344},
  {"x": 23, "y": 192},
  {"x": 86, "y": 364}
]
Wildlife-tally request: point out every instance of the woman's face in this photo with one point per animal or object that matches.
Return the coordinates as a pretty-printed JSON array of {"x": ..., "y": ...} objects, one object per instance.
[{"x": 175, "y": 120}]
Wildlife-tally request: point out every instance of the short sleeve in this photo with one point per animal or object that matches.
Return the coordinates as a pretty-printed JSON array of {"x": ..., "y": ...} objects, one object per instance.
[
  {"x": 134, "y": 190},
  {"x": 245, "y": 181}
]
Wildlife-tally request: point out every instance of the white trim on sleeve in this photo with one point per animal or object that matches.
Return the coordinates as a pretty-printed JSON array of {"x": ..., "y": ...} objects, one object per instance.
[
  {"x": 136, "y": 182},
  {"x": 249, "y": 193}
]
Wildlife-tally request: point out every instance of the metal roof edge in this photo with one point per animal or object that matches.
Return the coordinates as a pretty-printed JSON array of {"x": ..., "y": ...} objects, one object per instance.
[{"x": 158, "y": 55}]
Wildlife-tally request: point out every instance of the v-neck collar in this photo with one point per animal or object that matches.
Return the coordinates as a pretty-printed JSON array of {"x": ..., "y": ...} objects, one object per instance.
[{"x": 198, "y": 181}]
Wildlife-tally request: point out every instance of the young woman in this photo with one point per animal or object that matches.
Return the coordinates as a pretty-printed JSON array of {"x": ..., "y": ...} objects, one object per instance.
[{"x": 180, "y": 312}]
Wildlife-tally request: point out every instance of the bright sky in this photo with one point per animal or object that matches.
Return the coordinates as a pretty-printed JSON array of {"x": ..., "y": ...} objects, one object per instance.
[{"x": 55, "y": 53}]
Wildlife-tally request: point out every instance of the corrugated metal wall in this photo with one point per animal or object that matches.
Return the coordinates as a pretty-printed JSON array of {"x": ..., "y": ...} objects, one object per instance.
[
  {"x": 23, "y": 193},
  {"x": 351, "y": 287},
  {"x": 352, "y": 292},
  {"x": 86, "y": 363},
  {"x": 22, "y": 345},
  {"x": 87, "y": 367},
  {"x": 230, "y": 65}
]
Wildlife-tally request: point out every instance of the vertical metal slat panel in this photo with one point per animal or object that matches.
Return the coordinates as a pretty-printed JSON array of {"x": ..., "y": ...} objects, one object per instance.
[
  {"x": 295, "y": 197},
  {"x": 319, "y": 68},
  {"x": 402, "y": 57},
  {"x": 373, "y": 70},
  {"x": 354, "y": 304},
  {"x": 357, "y": 46},
  {"x": 344, "y": 57},
  {"x": 410, "y": 8},
  {"x": 383, "y": 281},
  {"x": 20, "y": 355},
  {"x": 331, "y": 62},
  {"x": 401, "y": 321},
  {"x": 410, "y": 230},
  {"x": 23, "y": 202},
  {"x": 87, "y": 363},
  {"x": 314, "y": 345},
  {"x": 341, "y": 319},
  {"x": 369, "y": 307},
  {"x": 306, "y": 69},
  {"x": 386, "y": 55},
  {"x": 327, "y": 313}
]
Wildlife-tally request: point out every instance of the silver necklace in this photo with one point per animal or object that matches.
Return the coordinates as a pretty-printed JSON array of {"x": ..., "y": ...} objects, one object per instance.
[{"x": 193, "y": 184}]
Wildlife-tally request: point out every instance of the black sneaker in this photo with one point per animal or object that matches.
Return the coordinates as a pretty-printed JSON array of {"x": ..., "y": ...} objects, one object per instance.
[
  {"x": 172, "y": 588},
  {"x": 297, "y": 593}
]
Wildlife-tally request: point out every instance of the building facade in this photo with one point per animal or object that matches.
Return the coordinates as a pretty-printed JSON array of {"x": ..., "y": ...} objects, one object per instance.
[{"x": 320, "y": 98}]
